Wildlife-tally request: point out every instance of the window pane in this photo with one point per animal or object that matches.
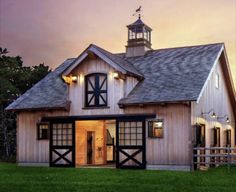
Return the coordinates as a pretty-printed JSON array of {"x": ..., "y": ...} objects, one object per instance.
[
  {"x": 91, "y": 99},
  {"x": 133, "y": 142},
  {"x": 139, "y": 142},
  {"x": 139, "y": 130},
  {"x": 103, "y": 82},
  {"x": 91, "y": 83},
  {"x": 133, "y": 136}
]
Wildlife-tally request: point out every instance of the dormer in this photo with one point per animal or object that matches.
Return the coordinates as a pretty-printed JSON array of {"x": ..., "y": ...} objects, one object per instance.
[{"x": 139, "y": 39}]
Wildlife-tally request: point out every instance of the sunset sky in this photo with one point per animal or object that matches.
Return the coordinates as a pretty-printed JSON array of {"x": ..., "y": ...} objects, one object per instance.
[{"x": 50, "y": 31}]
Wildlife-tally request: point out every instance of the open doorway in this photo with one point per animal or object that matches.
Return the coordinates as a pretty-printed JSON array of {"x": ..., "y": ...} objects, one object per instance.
[
  {"x": 90, "y": 147},
  {"x": 95, "y": 142},
  {"x": 110, "y": 141}
]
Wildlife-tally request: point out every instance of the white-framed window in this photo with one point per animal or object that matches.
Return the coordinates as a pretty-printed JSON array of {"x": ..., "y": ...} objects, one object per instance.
[{"x": 217, "y": 80}]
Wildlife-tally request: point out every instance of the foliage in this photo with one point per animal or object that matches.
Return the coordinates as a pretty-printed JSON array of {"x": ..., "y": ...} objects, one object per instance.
[
  {"x": 15, "y": 79},
  {"x": 14, "y": 178}
]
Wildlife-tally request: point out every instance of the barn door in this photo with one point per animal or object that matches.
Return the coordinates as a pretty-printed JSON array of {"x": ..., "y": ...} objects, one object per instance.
[
  {"x": 62, "y": 150},
  {"x": 130, "y": 143}
]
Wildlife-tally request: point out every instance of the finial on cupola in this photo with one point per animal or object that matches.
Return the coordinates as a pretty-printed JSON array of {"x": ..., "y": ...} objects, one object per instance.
[{"x": 139, "y": 37}]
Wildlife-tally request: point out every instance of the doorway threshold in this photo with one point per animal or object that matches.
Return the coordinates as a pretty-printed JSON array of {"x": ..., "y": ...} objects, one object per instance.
[{"x": 109, "y": 166}]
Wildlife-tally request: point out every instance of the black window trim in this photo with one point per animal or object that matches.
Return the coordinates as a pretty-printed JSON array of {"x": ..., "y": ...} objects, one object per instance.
[
  {"x": 96, "y": 92},
  {"x": 149, "y": 124},
  {"x": 38, "y": 130}
]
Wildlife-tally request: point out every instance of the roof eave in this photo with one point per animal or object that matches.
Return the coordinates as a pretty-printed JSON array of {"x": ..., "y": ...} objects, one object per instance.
[{"x": 156, "y": 103}]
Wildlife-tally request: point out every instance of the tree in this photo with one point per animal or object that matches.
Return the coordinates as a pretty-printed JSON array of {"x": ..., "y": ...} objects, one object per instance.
[{"x": 15, "y": 79}]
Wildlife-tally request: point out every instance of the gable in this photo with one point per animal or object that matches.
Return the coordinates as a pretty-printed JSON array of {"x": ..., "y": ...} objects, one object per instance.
[
  {"x": 116, "y": 62},
  {"x": 116, "y": 88}
]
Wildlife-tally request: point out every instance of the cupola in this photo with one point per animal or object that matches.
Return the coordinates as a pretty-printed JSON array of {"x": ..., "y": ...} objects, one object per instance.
[{"x": 139, "y": 38}]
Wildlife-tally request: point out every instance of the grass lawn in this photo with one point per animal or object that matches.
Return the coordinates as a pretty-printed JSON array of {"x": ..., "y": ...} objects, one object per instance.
[{"x": 24, "y": 179}]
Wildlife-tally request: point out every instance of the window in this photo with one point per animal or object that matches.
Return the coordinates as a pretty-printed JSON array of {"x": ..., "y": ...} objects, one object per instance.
[
  {"x": 130, "y": 133},
  {"x": 62, "y": 134},
  {"x": 200, "y": 135},
  {"x": 96, "y": 90},
  {"x": 215, "y": 137},
  {"x": 228, "y": 137},
  {"x": 43, "y": 131},
  {"x": 155, "y": 129},
  {"x": 217, "y": 80}
]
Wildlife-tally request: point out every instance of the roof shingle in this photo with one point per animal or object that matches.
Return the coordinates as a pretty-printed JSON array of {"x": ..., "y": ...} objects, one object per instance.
[{"x": 170, "y": 75}]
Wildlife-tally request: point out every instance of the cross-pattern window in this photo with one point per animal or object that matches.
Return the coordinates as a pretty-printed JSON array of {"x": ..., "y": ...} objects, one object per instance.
[
  {"x": 43, "y": 131},
  {"x": 130, "y": 133},
  {"x": 96, "y": 90}
]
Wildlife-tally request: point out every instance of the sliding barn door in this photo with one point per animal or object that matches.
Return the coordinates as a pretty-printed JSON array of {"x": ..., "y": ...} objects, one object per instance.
[
  {"x": 130, "y": 146},
  {"x": 62, "y": 142}
]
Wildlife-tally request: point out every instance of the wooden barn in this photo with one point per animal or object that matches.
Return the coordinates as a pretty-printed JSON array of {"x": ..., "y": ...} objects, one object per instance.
[{"x": 143, "y": 108}]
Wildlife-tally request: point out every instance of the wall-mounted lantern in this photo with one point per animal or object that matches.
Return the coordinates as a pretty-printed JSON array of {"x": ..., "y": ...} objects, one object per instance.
[
  {"x": 224, "y": 117},
  {"x": 74, "y": 78},
  {"x": 213, "y": 115},
  {"x": 118, "y": 75},
  {"x": 71, "y": 78}
]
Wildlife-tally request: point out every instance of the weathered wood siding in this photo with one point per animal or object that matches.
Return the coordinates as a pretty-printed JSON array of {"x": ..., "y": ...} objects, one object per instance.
[
  {"x": 117, "y": 88},
  {"x": 174, "y": 147},
  {"x": 217, "y": 99},
  {"x": 29, "y": 148}
]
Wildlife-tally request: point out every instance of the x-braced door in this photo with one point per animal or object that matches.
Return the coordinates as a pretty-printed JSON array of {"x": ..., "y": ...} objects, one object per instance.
[
  {"x": 130, "y": 143},
  {"x": 62, "y": 142}
]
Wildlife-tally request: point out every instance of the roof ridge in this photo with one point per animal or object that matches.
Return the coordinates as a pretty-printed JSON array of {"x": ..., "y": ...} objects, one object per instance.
[{"x": 188, "y": 46}]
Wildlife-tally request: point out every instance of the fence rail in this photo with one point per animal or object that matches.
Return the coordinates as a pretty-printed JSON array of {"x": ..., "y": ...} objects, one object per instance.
[{"x": 213, "y": 156}]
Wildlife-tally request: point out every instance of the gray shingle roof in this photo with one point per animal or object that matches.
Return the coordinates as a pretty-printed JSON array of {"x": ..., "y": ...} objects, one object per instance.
[
  {"x": 50, "y": 92},
  {"x": 170, "y": 75}
]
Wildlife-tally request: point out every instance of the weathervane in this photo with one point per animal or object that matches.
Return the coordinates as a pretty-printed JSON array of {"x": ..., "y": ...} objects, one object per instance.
[{"x": 138, "y": 12}]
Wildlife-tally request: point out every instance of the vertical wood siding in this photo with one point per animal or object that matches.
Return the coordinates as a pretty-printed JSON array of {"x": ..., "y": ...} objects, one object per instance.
[
  {"x": 117, "y": 88},
  {"x": 217, "y": 99},
  {"x": 29, "y": 148},
  {"x": 173, "y": 148}
]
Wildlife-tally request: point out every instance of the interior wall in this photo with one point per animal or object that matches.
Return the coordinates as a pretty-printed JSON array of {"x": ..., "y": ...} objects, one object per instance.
[{"x": 82, "y": 127}]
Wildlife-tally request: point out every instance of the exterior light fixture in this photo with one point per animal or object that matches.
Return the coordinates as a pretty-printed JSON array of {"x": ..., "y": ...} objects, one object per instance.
[
  {"x": 227, "y": 120},
  {"x": 74, "y": 78},
  {"x": 116, "y": 75},
  {"x": 223, "y": 117},
  {"x": 213, "y": 113},
  {"x": 66, "y": 79}
]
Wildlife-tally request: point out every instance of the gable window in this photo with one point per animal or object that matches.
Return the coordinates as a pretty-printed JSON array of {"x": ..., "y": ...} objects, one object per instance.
[
  {"x": 43, "y": 131},
  {"x": 155, "y": 129},
  {"x": 96, "y": 90},
  {"x": 217, "y": 79}
]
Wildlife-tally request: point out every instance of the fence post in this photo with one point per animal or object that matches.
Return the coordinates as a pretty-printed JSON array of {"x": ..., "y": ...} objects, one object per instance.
[{"x": 228, "y": 158}]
